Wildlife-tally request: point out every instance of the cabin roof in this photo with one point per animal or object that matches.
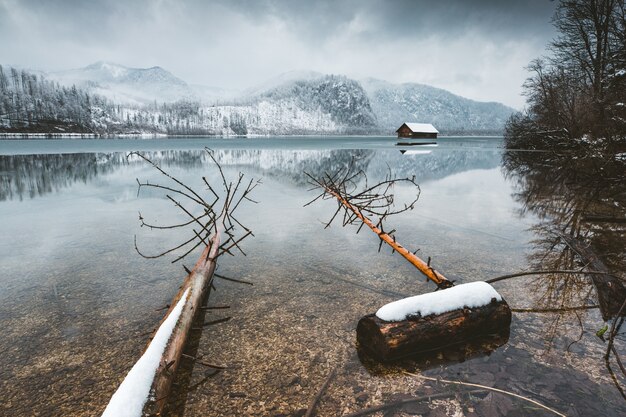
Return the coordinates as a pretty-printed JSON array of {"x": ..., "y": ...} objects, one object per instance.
[{"x": 421, "y": 127}]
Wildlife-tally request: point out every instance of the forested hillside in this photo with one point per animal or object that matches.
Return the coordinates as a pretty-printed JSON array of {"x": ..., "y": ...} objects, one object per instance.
[{"x": 29, "y": 103}]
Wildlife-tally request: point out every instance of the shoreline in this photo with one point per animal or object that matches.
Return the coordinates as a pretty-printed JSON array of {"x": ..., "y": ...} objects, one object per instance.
[{"x": 27, "y": 136}]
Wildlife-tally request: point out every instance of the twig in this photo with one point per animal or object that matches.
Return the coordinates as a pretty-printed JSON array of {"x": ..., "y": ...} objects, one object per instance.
[
  {"x": 470, "y": 384},
  {"x": 218, "y": 321},
  {"x": 553, "y": 310},
  {"x": 405, "y": 401},
  {"x": 201, "y": 362},
  {"x": 311, "y": 409},
  {"x": 613, "y": 332},
  {"x": 554, "y": 271},
  {"x": 240, "y": 281}
]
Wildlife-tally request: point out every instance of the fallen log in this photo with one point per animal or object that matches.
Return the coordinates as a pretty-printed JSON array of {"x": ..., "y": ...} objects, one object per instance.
[
  {"x": 145, "y": 390},
  {"x": 199, "y": 284},
  {"x": 431, "y": 321}
]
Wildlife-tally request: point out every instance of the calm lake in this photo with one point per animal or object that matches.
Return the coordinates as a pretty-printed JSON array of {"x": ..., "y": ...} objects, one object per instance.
[{"x": 77, "y": 303}]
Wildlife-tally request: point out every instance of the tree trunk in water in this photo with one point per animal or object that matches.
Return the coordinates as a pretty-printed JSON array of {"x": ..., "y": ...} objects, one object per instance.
[
  {"x": 392, "y": 340},
  {"x": 199, "y": 282}
]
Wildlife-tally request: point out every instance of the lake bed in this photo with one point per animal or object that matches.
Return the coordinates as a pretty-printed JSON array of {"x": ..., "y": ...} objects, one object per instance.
[{"x": 77, "y": 303}]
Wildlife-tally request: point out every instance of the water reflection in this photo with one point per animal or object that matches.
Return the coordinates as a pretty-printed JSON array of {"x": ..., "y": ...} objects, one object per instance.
[
  {"x": 78, "y": 303},
  {"x": 579, "y": 201},
  {"x": 475, "y": 348},
  {"x": 30, "y": 176}
]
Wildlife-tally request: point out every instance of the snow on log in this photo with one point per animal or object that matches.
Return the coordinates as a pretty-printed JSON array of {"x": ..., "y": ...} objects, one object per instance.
[
  {"x": 474, "y": 294},
  {"x": 133, "y": 392},
  {"x": 430, "y": 321}
]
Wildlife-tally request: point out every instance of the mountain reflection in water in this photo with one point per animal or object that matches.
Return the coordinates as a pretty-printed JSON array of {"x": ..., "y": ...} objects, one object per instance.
[{"x": 30, "y": 176}]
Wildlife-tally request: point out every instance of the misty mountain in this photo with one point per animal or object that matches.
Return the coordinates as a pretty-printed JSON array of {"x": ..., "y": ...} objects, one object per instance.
[
  {"x": 327, "y": 105},
  {"x": 339, "y": 98},
  {"x": 105, "y": 98},
  {"x": 295, "y": 92},
  {"x": 133, "y": 85},
  {"x": 395, "y": 104},
  {"x": 281, "y": 80}
]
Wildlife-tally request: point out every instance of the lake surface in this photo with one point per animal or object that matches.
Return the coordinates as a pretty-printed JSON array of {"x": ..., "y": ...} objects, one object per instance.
[{"x": 77, "y": 303}]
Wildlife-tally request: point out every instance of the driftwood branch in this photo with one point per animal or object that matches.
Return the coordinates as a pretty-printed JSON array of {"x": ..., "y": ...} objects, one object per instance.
[{"x": 358, "y": 200}]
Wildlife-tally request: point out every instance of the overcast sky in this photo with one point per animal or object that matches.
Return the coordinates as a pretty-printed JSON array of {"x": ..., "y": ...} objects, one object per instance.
[{"x": 475, "y": 48}]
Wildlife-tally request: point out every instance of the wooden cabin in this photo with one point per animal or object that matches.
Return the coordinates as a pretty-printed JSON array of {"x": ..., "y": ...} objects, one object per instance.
[{"x": 417, "y": 130}]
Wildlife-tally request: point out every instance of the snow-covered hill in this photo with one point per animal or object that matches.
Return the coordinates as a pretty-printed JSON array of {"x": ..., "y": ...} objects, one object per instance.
[
  {"x": 327, "y": 105},
  {"x": 395, "y": 104},
  {"x": 130, "y": 85}
]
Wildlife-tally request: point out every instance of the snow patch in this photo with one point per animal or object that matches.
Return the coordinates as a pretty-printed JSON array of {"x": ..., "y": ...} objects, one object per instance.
[
  {"x": 133, "y": 392},
  {"x": 471, "y": 295}
]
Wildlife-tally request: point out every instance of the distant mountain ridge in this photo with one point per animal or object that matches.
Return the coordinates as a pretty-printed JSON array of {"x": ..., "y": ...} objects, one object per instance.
[
  {"x": 395, "y": 104},
  {"x": 153, "y": 100},
  {"x": 129, "y": 85}
]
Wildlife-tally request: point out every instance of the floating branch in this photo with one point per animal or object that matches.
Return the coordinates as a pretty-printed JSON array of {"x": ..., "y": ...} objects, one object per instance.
[
  {"x": 357, "y": 200},
  {"x": 147, "y": 386}
]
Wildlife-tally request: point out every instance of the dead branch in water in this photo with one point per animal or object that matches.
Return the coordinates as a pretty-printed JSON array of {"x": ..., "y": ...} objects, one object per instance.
[
  {"x": 217, "y": 231},
  {"x": 358, "y": 200}
]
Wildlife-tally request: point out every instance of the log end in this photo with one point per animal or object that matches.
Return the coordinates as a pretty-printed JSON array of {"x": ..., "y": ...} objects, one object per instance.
[{"x": 388, "y": 341}]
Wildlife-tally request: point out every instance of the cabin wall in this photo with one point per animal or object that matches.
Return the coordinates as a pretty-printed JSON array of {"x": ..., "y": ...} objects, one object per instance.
[
  {"x": 424, "y": 135},
  {"x": 404, "y": 132}
]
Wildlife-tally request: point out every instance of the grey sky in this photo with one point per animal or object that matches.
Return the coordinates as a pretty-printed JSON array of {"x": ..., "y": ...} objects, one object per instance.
[{"x": 477, "y": 49}]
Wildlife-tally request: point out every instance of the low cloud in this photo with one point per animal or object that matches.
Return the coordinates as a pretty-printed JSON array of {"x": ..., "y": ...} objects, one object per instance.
[{"x": 477, "y": 49}]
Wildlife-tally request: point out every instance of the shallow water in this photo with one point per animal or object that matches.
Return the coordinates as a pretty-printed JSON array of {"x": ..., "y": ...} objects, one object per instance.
[{"x": 77, "y": 303}]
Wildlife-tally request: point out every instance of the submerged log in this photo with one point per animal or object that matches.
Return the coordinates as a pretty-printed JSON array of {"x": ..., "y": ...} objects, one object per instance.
[{"x": 391, "y": 340}]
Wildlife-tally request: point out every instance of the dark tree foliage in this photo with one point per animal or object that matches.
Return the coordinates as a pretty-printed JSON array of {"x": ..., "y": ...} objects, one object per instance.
[
  {"x": 29, "y": 103},
  {"x": 579, "y": 91}
]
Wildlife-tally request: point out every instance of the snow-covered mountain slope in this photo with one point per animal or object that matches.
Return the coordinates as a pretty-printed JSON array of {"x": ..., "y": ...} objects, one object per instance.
[
  {"x": 326, "y": 105},
  {"x": 281, "y": 80},
  {"x": 126, "y": 85},
  {"x": 395, "y": 104},
  {"x": 339, "y": 97},
  {"x": 298, "y": 102}
]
